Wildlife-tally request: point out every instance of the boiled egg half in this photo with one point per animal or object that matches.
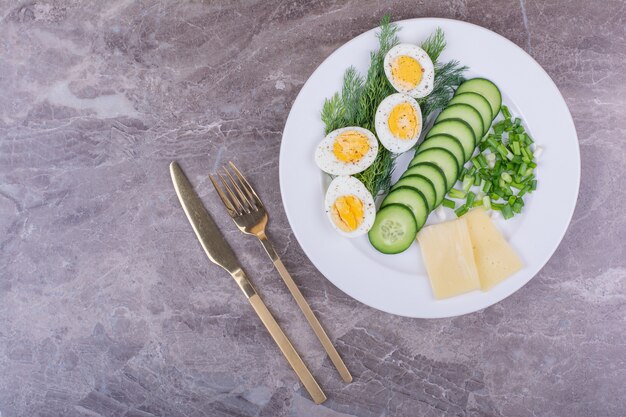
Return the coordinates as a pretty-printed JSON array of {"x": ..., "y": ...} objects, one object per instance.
[
  {"x": 346, "y": 151},
  {"x": 398, "y": 122},
  {"x": 349, "y": 206},
  {"x": 410, "y": 70}
]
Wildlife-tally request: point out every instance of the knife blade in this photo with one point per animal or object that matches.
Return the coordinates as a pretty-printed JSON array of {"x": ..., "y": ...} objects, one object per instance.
[{"x": 220, "y": 253}]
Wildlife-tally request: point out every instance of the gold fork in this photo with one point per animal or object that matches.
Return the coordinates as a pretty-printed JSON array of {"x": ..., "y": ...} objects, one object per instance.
[{"x": 249, "y": 214}]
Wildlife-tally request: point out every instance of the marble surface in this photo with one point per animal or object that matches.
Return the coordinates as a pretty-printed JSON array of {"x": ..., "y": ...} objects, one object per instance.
[{"x": 109, "y": 308}]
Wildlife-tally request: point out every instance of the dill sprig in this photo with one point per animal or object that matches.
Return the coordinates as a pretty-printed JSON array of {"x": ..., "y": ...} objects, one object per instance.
[
  {"x": 359, "y": 98},
  {"x": 448, "y": 76},
  {"x": 434, "y": 44}
]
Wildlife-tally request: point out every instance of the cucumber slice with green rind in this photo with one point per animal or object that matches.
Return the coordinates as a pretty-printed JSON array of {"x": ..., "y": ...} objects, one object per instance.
[
  {"x": 394, "y": 229},
  {"x": 443, "y": 159},
  {"x": 421, "y": 184},
  {"x": 447, "y": 142},
  {"x": 460, "y": 130},
  {"x": 434, "y": 174},
  {"x": 478, "y": 102},
  {"x": 485, "y": 88},
  {"x": 411, "y": 198},
  {"x": 467, "y": 113}
]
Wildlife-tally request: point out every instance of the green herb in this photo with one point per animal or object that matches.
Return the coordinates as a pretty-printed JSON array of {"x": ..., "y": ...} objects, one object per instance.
[
  {"x": 448, "y": 76},
  {"x": 461, "y": 210},
  {"x": 448, "y": 203},
  {"x": 434, "y": 44},
  {"x": 360, "y": 96},
  {"x": 506, "y": 165}
]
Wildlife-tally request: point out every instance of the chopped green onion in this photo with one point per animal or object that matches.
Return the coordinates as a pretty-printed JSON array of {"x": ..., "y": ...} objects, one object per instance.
[
  {"x": 487, "y": 186},
  {"x": 470, "y": 198},
  {"x": 461, "y": 210},
  {"x": 517, "y": 185},
  {"x": 454, "y": 193},
  {"x": 468, "y": 181},
  {"x": 505, "y": 111},
  {"x": 515, "y": 147},
  {"x": 506, "y": 177},
  {"x": 507, "y": 212},
  {"x": 448, "y": 203},
  {"x": 487, "y": 202}
]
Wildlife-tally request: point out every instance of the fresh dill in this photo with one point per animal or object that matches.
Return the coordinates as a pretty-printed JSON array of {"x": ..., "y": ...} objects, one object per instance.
[
  {"x": 448, "y": 76},
  {"x": 360, "y": 96},
  {"x": 434, "y": 44}
]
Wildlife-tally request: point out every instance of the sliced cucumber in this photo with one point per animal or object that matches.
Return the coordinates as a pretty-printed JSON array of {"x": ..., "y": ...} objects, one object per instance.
[
  {"x": 434, "y": 174},
  {"x": 394, "y": 229},
  {"x": 421, "y": 184},
  {"x": 467, "y": 113},
  {"x": 460, "y": 130},
  {"x": 478, "y": 102},
  {"x": 443, "y": 159},
  {"x": 411, "y": 198},
  {"x": 486, "y": 89},
  {"x": 447, "y": 142}
]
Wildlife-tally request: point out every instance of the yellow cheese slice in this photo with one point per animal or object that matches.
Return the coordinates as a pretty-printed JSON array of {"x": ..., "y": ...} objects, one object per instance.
[
  {"x": 447, "y": 252},
  {"x": 495, "y": 258}
]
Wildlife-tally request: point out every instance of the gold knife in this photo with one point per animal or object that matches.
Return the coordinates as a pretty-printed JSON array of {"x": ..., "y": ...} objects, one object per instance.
[{"x": 220, "y": 253}]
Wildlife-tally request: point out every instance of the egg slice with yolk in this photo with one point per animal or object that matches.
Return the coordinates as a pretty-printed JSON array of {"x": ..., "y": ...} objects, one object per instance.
[
  {"x": 398, "y": 122},
  {"x": 410, "y": 70},
  {"x": 349, "y": 206},
  {"x": 346, "y": 151}
]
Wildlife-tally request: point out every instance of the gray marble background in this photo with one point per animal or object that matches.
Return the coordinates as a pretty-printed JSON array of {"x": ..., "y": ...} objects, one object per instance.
[{"x": 109, "y": 308}]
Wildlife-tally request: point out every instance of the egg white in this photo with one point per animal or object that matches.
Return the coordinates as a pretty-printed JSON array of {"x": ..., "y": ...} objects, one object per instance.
[
  {"x": 343, "y": 186},
  {"x": 426, "y": 84},
  {"x": 326, "y": 160},
  {"x": 381, "y": 121}
]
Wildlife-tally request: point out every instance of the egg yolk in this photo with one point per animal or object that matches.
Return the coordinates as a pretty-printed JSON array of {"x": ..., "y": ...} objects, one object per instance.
[
  {"x": 347, "y": 212},
  {"x": 406, "y": 72},
  {"x": 351, "y": 146},
  {"x": 403, "y": 121}
]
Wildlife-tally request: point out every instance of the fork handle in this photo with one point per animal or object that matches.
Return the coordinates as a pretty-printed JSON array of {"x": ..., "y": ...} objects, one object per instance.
[{"x": 306, "y": 309}]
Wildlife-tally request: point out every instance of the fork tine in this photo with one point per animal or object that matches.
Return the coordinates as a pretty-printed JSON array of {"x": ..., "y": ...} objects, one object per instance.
[
  {"x": 246, "y": 185},
  {"x": 242, "y": 196},
  {"x": 229, "y": 205},
  {"x": 237, "y": 203}
]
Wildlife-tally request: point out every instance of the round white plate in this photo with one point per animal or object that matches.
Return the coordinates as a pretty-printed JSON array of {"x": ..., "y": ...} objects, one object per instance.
[{"x": 398, "y": 284}]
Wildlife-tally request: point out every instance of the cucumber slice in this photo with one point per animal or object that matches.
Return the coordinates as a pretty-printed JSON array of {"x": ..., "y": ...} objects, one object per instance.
[
  {"x": 443, "y": 159},
  {"x": 434, "y": 174},
  {"x": 447, "y": 142},
  {"x": 394, "y": 229},
  {"x": 486, "y": 89},
  {"x": 478, "y": 102},
  {"x": 460, "y": 130},
  {"x": 411, "y": 198},
  {"x": 467, "y": 113},
  {"x": 421, "y": 184}
]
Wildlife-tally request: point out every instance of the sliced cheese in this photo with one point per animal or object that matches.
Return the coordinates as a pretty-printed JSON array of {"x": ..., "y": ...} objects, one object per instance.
[
  {"x": 495, "y": 258},
  {"x": 447, "y": 252}
]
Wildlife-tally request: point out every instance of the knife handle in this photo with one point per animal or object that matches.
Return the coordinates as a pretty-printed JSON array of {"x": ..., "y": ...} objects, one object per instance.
[{"x": 296, "y": 362}]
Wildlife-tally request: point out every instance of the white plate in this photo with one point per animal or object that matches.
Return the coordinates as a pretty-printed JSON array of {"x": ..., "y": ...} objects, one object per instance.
[{"x": 398, "y": 284}]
